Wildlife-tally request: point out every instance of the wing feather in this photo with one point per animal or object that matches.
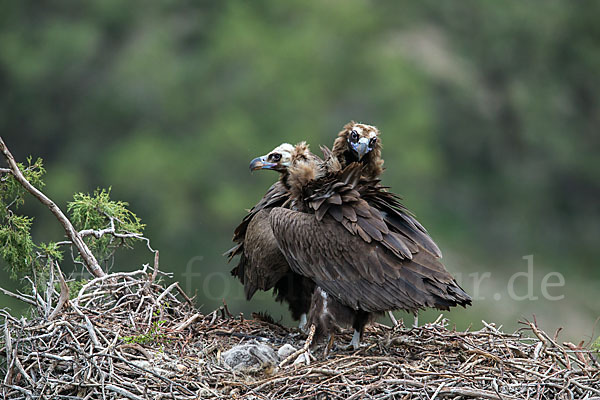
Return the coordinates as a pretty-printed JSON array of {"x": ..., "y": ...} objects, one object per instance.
[
  {"x": 349, "y": 213},
  {"x": 276, "y": 196},
  {"x": 357, "y": 273},
  {"x": 366, "y": 209},
  {"x": 337, "y": 213}
]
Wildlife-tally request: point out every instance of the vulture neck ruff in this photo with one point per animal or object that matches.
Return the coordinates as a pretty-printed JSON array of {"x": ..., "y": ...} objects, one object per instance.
[{"x": 305, "y": 168}]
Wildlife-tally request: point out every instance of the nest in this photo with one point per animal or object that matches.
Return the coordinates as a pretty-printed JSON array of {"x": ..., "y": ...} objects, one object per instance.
[{"x": 128, "y": 336}]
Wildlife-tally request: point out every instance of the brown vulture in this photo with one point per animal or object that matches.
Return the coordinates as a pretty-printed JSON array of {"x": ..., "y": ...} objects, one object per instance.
[
  {"x": 261, "y": 265},
  {"x": 364, "y": 251}
]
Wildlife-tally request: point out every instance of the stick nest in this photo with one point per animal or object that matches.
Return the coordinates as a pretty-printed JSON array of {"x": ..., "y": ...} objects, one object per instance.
[{"x": 125, "y": 336}]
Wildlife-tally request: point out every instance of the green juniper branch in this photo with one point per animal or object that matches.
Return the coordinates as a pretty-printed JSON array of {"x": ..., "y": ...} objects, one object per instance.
[
  {"x": 96, "y": 225},
  {"x": 90, "y": 261}
]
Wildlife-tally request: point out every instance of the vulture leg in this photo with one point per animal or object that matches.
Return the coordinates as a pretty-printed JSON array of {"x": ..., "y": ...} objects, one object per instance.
[
  {"x": 355, "y": 343},
  {"x": 302, "y": 324},
  {"x": 296, "y": 291},
  {"x": 394, "y": 320},
  {"x": 361, "y": 319},
  {"x": 416, "y": 322}
]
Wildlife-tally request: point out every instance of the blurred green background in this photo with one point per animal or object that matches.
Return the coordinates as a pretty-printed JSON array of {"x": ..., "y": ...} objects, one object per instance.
[{"x": 489, "y": 113}]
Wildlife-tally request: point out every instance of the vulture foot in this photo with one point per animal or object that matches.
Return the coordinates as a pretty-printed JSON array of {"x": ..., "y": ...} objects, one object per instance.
[{"x": 354, "y": 343}]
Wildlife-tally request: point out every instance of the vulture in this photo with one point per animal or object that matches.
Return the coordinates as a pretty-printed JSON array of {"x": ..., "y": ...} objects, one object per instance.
[
  {"x": 261, "y": 265},
  {"x": 364, "y": 252}
]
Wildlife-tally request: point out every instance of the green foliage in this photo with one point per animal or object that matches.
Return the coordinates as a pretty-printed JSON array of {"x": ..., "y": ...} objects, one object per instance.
[
  {"x": 596, "y": 345},
  {"x": 12, "y": 194},
  {"x": 96, "y": 212},
  {"x": 22, "y": 256},
  {"x": 154, "y": 335},
  {"x": 50, "y": 250},
  {"x": 16, "y": 246},
  {"x": 74, "y": 287}
]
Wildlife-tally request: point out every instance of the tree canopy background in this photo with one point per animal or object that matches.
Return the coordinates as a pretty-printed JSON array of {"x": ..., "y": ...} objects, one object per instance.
[{"x": 489, "y": 113}]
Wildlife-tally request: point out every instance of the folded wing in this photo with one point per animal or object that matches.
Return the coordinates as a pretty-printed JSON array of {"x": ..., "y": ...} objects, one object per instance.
[
  {"x": 359, "y": 273},
  {"x": 261, "y": 264}
]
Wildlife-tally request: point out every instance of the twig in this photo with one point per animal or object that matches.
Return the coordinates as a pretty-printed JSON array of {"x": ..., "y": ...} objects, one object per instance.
[
  {"x": 90, "y": 261},
  {"x": 155, "y": 272},
  {"x": 123, "y": 392},
  {"x": 393, "y": 318},
  {"x": 188, "y": 322},
  {"x": 303, "y": 350},
  {"x": 64, "y": 295},
  {"x": 17, "y": 296},
  {"x": 106, "y": 349},
  {"x": 9, "y": 353}
]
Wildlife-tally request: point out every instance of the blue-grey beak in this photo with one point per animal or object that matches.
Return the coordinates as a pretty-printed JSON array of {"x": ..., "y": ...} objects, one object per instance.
[
  {"x": 261, "y": 163},
  {"x": 362, "y": 147}
]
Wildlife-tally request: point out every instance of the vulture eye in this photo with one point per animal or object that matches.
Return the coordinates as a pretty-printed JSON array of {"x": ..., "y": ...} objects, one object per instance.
[
  {"x": 276, "y": 157},
  {"x": 354, "y": 136},
  {"x": 372, "y": 142}
]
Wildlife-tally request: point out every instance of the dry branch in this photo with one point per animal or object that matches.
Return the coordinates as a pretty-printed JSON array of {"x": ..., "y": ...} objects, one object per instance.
[
  {"x": 90, "y": 261},
  {"x": 110, "y": 343}
]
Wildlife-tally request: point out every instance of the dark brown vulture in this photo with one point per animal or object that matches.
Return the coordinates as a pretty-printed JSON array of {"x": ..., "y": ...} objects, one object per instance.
[
  {"x": 365, "y": 252},
  {"x": 261, "y": 265}
]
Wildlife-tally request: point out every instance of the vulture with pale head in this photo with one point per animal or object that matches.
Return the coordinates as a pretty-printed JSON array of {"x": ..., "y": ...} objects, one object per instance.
[
  {"x": 363, "y": 250},
  {"x": 261, "y": 265},
  {"x": 334, "y": 243}
]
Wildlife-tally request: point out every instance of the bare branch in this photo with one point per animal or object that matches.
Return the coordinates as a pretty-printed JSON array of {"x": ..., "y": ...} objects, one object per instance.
[
  {"x": 64, "y": 295},
  {"x": 17, "y": 296},
  {"x": 114, "y": 346},
  {"x": 90, "y": 261}
]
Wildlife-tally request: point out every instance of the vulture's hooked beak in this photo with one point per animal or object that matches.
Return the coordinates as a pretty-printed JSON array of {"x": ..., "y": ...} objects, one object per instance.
[
  {"x": 261, "y": 163},
  {"x": 362, "y": 147}
]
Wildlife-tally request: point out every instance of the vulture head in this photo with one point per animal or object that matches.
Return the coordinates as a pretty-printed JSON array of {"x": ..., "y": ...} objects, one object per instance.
[
  {"x": 297, "y": 165},
  {"x": 279, "y": 159},
  {"x": 283, "y": 157},
  {"x": 355, "y": 141},
  {"x": 359, "y": 143}
]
